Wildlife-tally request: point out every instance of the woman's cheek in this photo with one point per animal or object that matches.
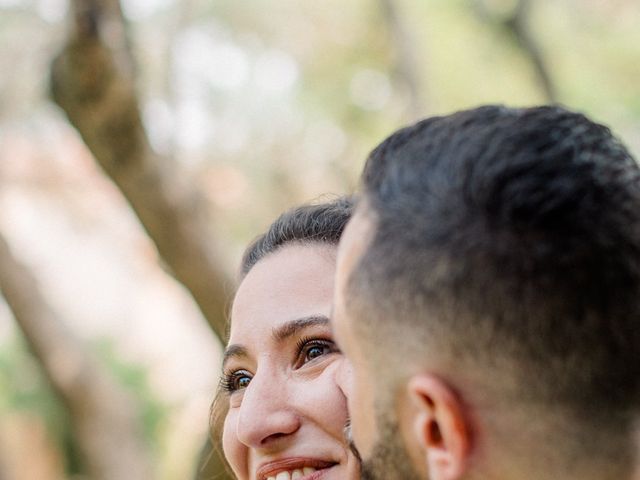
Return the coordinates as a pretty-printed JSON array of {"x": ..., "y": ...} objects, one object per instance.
[
  {"x": 234, "y": 450},
  {"x": 325, "y": 400}
]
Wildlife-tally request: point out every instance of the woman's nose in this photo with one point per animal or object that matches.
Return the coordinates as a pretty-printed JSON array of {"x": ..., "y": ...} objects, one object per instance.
[{"x": 266, "y": 413}]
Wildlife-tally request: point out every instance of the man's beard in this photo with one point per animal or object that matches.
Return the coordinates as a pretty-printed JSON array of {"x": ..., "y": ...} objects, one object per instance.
[{"x": 389, "y": 459}]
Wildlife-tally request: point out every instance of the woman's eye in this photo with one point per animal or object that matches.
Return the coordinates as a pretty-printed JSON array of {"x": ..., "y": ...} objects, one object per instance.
[
  {"x": 243, "y": 382},
  {"x": 310, "y": 350},
  {"x": 316, "y": 351},
  {"x": 235, "y": 381}
]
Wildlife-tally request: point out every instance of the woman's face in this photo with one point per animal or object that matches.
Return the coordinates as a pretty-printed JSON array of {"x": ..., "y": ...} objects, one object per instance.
[{"x": 286, "y": 413}]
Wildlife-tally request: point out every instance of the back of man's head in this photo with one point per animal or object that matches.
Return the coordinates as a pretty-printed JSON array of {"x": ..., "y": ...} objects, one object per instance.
[{"x": 505, "y": 257}]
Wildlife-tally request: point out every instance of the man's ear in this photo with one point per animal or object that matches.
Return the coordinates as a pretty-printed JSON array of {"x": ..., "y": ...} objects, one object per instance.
[{"x": 441, "y": 427}]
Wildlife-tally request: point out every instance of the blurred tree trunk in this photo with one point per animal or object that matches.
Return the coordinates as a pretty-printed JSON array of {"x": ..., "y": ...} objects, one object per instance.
[
  {"x": 516, "y": 24},
  {"x": 103, "y": 417},
  {"x": 93, "y": 81},
  {"x": 27, "y": 451},
  {"x": 407, "y": 63}
]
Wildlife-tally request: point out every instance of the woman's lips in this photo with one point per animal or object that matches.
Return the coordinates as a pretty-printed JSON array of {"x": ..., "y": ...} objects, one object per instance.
[{"x": 292, "y": 469}]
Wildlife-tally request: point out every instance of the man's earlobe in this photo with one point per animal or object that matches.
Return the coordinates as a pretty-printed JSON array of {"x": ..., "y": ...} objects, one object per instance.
[{"x": 441, "y": 427}]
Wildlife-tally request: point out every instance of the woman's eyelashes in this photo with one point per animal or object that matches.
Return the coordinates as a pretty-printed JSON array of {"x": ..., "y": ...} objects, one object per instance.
[
  {"x": 236, "y": 380},
  {"x": 308, "y": 350}
]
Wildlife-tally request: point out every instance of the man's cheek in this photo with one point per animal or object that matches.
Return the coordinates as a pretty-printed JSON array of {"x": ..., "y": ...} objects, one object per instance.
[
  {"x": 362, "y": 416},
  {"x": 344, "y": 377}
]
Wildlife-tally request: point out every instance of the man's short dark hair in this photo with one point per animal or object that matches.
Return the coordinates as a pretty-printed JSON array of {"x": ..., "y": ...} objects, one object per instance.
[{"x": 511, "y": 234}]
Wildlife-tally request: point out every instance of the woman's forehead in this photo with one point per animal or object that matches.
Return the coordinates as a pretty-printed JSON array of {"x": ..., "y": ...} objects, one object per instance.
[{"x": 292, "y": 283}]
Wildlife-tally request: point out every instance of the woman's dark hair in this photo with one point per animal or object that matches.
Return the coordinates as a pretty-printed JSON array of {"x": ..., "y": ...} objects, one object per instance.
[{"x": 321, "y": 223}]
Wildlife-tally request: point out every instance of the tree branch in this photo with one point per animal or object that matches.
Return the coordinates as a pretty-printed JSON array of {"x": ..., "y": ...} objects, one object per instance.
[
  {"x": 92, "y": 81},
  {"x": 406, "y": 68},
  {"x": 103, "y": 417},
  {"x": 517, "y": 24}
]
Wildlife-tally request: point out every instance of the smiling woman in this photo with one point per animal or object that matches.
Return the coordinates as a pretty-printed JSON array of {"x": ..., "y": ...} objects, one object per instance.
[{"x": 285, "y": 413}]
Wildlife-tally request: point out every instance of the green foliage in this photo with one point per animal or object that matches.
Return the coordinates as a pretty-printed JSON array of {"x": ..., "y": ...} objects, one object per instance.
[
  {"x": 134, "y": 378},
  {"x": 23, "y": 388}
]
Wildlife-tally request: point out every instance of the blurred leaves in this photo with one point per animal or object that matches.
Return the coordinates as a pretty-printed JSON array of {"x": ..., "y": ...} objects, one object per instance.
[
  {"x": 23, "y": 389},
  {"x": 135, "y": 378}
]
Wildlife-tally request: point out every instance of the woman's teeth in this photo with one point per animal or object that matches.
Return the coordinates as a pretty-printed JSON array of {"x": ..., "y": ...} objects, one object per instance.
[{"x": 294, "y": 474}]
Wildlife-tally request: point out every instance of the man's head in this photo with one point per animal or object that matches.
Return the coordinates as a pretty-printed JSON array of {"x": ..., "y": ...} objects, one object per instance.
[{"x": 488, "y": 297}]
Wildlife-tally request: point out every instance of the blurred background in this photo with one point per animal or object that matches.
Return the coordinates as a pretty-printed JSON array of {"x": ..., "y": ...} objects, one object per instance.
[{"x": 144, "y": 143}]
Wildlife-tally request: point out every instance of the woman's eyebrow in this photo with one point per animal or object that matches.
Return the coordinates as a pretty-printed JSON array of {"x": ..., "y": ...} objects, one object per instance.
[
  {"x": 292, "y": 327},
  {"x": 279, "y": 333},
  {"x": 234, "y": 351}
]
